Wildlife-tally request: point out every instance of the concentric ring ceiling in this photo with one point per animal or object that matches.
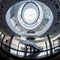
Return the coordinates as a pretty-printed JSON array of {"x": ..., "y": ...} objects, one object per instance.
[{"x": 31, "y": 18}]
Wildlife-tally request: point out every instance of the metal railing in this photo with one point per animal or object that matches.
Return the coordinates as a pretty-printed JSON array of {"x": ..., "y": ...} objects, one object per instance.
[{"x": 46, "y": 52}]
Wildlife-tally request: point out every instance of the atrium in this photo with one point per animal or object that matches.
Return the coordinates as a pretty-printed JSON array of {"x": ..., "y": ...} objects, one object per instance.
[{"x": 30, "y": 29}]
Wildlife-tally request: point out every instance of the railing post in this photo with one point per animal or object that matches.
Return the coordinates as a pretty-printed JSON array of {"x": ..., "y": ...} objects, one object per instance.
[
  {"x": 46, "y": 48},
  {"x": 50, "y": 44},
  {"x": 2, "y": 40},
  {"x": 10, "y": 42},
  {"x": 25, "y": 55}
]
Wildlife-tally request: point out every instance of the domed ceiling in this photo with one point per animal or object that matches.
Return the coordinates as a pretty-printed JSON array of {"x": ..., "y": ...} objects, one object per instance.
[{"x": 31, "y": 18}]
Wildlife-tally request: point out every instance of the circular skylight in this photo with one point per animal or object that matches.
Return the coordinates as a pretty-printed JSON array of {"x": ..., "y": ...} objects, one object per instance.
[{"x": 30, "y": 15}]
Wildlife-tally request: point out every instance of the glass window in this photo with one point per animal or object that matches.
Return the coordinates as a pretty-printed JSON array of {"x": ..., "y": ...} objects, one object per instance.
[
  {"x": 42, "y": 54},
  {"x": 0, "y": 32},
  {"x": 13, "y": 51},
  {"x": 21, "y": 54},
  {"x": 22, "y": 47},
  {"x": 14, "y": 44},
  {"x": 2, "y": 36},
  {"x": 7, "y": 40},
  {"x": 42, "y": 44},
  {"x": 56, "y": 43}
]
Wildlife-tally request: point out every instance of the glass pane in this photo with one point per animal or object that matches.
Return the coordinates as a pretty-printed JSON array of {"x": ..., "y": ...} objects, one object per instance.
[
  {"x": 14, "y": 44},
  {"x": 13, "y": 51},
  {"x": 21, "y": 54}
]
